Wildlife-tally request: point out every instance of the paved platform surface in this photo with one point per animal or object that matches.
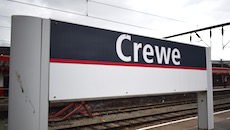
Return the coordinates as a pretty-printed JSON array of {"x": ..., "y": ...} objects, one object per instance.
[{"x": 221, "y": 119}]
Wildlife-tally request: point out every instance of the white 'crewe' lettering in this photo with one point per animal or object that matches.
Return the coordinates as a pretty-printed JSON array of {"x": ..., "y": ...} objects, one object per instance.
[
  {"x": 162, "y": 54},
  {"x": 136, "y": 47},
  {"x": 176, "y": 56},
  {"x": 118, "y": 47},
  {"x": 147, "y": 52}
]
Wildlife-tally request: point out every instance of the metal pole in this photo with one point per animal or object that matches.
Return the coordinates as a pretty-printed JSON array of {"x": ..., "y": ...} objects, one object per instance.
[{"x": 205, "y": 99}]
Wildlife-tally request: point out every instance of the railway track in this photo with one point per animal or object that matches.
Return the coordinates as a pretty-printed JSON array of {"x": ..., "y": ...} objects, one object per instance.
[{"x": 139, "y": 116}]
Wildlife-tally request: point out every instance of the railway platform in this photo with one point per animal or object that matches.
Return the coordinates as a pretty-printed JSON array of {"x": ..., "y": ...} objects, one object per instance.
[{"x": 221, "y": 119}]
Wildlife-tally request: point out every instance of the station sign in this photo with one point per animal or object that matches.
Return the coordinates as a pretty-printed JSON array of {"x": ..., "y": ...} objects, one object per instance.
[
  {"x": 52, "y": 61},
  {"x": 116, "y": 64}
]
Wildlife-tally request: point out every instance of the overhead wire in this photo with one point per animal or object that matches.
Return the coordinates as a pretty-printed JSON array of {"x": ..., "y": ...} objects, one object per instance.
[
  {"x": 210, "y": 34},
  {"x": 87, "y": 15},
  {"x": 4, "y": 27},
  {"x": 226, "y": 44},
  {"x": 201, "y": 39},
  {"x": 141, "y": 12},
  {"x": 198, "y": 30},
  {"x": 222, "y": 33},
  {"x": 5, "y": 42},
  {"x": 4, "y": 16},
  {"x": 35, "y": 5}
]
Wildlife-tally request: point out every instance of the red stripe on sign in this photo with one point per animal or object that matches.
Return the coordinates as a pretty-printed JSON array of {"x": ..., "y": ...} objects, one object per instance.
[{"x": 55, "y": 60}]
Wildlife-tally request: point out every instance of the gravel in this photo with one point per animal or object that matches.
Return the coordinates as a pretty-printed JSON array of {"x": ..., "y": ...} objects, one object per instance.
[{"x": 3, "y": 124}]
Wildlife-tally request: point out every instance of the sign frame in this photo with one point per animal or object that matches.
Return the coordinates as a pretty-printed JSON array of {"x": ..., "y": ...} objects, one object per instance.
[{"x": 30, "y": 77}]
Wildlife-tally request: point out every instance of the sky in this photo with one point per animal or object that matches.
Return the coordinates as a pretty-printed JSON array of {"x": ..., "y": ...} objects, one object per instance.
[{"x": 152, "y": 18}]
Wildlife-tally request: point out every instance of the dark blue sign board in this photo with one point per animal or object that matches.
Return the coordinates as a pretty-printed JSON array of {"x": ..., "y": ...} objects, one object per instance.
[{"x": 89, "y": 45}]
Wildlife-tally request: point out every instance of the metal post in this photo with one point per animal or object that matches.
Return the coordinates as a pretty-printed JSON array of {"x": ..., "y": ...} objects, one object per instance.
[
  {"x": 44, "y": 88},
  {"x": 29, "y": 74},
  {"x": 205, "y": 99}
]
